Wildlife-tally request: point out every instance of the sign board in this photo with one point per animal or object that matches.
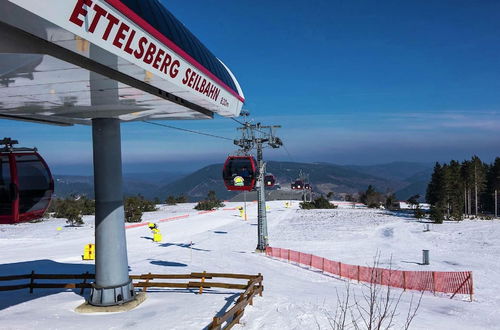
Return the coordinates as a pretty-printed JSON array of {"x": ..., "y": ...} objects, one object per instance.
[{"x": 115, "y": 28}]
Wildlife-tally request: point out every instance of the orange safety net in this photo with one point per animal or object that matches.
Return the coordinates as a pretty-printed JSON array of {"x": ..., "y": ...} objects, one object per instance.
[{"x": 446, "y": 282}]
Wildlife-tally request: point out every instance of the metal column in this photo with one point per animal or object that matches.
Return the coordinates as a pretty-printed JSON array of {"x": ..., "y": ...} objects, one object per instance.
[
  {"x": 112, "y": 283},
  {"x": 261, "y": 197}
]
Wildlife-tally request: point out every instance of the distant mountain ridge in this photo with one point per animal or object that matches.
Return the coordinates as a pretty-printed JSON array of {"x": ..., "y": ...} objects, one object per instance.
[
  {"x": 146, "y": 184},
  {"x": 324, "y": 178},
  {"x": 403, "y": 178},
  {"x": 396, "y": 171}
]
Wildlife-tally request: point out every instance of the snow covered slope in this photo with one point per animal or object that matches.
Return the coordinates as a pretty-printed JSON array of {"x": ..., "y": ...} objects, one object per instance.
[{"x": 294, "y": 297}]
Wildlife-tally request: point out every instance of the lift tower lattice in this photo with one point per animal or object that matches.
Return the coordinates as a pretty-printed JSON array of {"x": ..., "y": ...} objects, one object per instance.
[{"x": 255, "y": 136}]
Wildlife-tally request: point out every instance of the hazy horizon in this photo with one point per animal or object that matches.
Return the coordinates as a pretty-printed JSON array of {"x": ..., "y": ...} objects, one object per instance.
[{"x": 181, "y": 169}]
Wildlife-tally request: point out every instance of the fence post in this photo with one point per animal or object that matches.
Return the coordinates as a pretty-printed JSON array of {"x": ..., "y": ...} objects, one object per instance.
[
  {"x": 215, "y": 323},
  {"x": 310, "y": 261},
  {"x": 250, "y": 294},
  {"x": 288, "y": 255},
  {"x": 471, "y": 288},
  {"x": 434, "y": 282},
  {"x": 260, "y": 284},
  {"x": 323, "y": 265},
  {"x": 32, "y": 281},
  {"x": 404, "y": 280},
  {"x": 146, "y": 283},
  {"x": 469, "y": 277},
  {"x": 84, "y": 282},
  {"x": 358, "y": 273},
  {"x": 340, "y": 269}
]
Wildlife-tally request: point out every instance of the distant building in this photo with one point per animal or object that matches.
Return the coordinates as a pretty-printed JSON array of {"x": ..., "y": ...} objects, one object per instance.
[{"x": 403, "y": 205}]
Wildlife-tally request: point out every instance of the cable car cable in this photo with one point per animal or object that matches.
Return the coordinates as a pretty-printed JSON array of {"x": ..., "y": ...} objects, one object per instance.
[
  {"x": 244, "y": 124},
  {"x": 288, "y": 153},
  {"x": 187, "y": 130},
  {"x": 239, "y": 122}
]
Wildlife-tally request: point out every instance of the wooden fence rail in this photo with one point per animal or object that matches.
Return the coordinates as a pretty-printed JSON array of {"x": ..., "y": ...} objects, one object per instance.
[
  {"x": 233, "y": 315},
  {"x": 226, "y": 321}
]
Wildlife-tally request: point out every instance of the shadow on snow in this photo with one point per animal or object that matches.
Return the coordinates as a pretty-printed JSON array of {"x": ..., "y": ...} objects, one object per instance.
[{"x": 45, "y": 266}]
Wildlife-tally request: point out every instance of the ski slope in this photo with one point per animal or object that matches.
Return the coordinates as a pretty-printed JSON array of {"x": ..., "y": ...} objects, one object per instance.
[{"x": 294, "y": 297}]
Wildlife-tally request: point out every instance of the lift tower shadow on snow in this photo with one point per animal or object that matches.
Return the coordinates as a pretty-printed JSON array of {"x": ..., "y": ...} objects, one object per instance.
[
  {"x": 255, "y": 136},
  {"x": 67, "y": 63}
]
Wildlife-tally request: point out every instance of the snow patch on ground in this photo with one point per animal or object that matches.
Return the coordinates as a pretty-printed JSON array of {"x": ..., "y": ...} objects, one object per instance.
[{"x": 294, "y": 297}]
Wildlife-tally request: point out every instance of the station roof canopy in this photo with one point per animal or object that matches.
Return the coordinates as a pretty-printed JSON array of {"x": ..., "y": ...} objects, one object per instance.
[{"x": 68, "y": 61}]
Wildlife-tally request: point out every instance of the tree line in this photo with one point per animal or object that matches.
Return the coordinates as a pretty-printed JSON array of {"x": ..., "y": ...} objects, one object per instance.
[
  {"x": 465, "y": 189},
  {"x": 73, "y": 208}
]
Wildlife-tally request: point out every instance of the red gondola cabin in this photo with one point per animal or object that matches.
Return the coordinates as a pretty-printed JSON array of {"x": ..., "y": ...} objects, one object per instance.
[
  {"x": 298, "y": 185},
  {"x": 240, "y": 173},
  {"x": 269, "y": 180},
  {"x": 26, "y": 184}
]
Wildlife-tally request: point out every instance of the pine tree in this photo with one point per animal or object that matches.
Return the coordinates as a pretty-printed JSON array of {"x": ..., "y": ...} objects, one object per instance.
[
  {"x": 479, "y": 170},
  {"x": 495, "y": 169},
  {"x": 454, "y": 190},
  {"x": 212, "y": 202},
  {"x": 436, "y": 214},
  {"x": 390, "y": 200},
  {"x": 371, "y": 197},
  {"x": 170, "y": 200},
  {"x": 446, "y": 190},
  {"x": 467, "y": 173},
  {"x": 490, "y": 197},
  {"x": 436, "y": 193}
]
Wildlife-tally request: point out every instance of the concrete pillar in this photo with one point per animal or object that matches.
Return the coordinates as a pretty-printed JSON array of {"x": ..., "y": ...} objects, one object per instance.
[{"x": 112, "y": 284}]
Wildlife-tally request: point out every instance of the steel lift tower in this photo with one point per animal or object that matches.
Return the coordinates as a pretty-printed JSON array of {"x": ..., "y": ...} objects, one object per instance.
[{"x": 256, "y": 136}]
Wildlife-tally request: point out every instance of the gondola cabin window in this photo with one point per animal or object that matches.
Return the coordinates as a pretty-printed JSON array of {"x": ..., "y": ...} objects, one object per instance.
[
  {"x": 5, "y": 187},
  {"x": 26, "y": 184}
]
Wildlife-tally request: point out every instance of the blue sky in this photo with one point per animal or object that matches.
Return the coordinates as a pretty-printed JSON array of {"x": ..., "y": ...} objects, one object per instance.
[{"x": 350, "y": 81}]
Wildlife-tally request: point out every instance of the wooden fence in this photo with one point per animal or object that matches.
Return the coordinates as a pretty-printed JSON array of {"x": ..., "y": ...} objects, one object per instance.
[
  {"x": 252, "y": 287},
  {"x": 31, "y": 285},
  {"x": 432, "y": 281}
]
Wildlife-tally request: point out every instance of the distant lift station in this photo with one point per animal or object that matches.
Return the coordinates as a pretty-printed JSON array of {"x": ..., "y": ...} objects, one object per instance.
[{"x": 100, "y": 63}]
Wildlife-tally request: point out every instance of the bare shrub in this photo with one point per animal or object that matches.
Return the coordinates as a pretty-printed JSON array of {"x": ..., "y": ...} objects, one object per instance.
[{"x": 374, "y": 309}]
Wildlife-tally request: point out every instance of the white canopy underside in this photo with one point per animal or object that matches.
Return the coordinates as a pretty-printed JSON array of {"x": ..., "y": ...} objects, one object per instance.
[
  {"x": 60, "y": 88},
  {"x": 59, "y": 91}
]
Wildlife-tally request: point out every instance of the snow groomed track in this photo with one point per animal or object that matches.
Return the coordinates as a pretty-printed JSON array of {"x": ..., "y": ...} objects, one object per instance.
[{"x": 223, "y": 242}]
